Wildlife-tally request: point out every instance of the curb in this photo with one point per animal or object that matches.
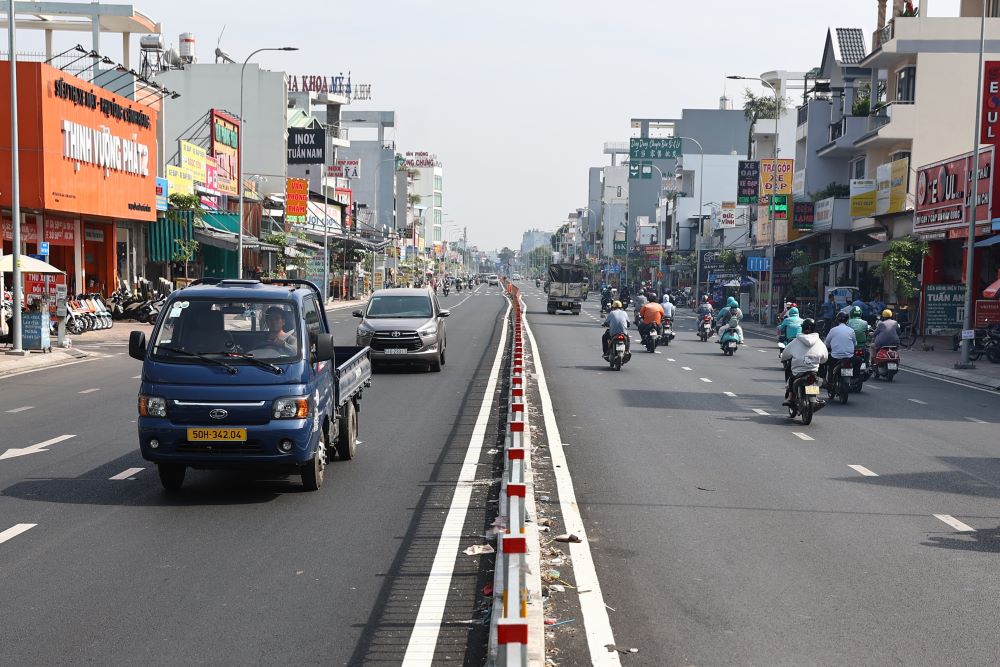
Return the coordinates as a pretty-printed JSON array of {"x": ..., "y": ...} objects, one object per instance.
[{"x": 72, "y": 356}]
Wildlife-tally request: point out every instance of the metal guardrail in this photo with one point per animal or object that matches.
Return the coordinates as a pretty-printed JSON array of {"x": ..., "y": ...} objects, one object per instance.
[{"x": 511, "y": 627}]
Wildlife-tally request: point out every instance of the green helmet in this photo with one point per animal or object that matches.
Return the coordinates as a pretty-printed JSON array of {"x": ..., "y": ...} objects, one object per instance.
[
  {"x": 793, "y": 312},
  {"x": 856, "y": 312},
  {"x": 732, "y": 303}
]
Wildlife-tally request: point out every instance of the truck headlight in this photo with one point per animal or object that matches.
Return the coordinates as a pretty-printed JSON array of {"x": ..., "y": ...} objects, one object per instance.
[
  {"x": 152, "y": 406},
  {"x": 292, "y": 407}
]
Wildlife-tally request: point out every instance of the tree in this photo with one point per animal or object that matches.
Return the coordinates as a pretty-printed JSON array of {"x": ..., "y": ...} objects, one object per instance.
[
  {"x": 506, "y": 257},
  {"x": 557, "y": 237},
  {"x": 686, "y": 264},
  {"x": 731, "y": 260},
  {"x": 832, "y": 190},
  {"x": 901, "y": 264},
  {"x": 186, "y": 251},
  {"x": 756, "y": 108},
  {"x": 802, "y": 285}
]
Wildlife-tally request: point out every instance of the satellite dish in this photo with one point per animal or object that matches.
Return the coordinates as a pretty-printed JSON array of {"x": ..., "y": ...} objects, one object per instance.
[{"x": 222, "y": 56}]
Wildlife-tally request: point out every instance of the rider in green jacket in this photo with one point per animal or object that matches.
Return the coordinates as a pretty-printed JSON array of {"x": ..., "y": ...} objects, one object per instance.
[{"x": 859, "y": 325}]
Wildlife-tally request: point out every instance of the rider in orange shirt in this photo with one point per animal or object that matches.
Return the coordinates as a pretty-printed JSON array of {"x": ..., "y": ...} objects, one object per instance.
[{"x": 652, "y": 316}]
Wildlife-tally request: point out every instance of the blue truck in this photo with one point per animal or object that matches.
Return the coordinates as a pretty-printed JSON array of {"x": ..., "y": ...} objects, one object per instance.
[{"x": 245, "y": 373}]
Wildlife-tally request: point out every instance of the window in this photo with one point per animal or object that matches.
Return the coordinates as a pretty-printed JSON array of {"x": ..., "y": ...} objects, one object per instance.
[
  {"x": 314, "y": 323},
  {"x": 858, "y": 168},
  {"x": 906, "y": 84},
  {"x": 437, "y": 199},
  {"x": 438, "y": 182}
]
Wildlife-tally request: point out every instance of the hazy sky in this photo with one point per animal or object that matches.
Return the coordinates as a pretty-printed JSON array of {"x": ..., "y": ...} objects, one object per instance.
[{"x": 516, "y": 98}]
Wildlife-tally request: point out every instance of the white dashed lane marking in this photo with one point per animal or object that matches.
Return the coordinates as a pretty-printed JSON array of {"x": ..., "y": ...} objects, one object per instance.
[
  {"x": 136, "y": 377},
  {"x": 761, "y": 412},
  {"x": 15, "y": 530},
  {"x": 704, "y": 379},
  {"x": 955, "y": 523},
  {"x": 21, "y": 409},
  {"x": 126, "y": 474},
  {"x": 89, "y": 391},
  {"x": 669, "y": 359},
  {"x": 801, "y": 436},
  {"x": 976, "y": 421},
  {"x": 863, "y": 470},
  {"x": 729, "y": 394},
  {"x": 685, "y": 368},
  {"x": 917, "y": 401}
]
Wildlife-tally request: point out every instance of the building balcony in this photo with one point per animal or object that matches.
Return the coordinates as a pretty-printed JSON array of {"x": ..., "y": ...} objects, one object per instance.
[
  {"x": 338, "y": 135},
  {"x": 890, "y": 123},
  {"x": 843, "y": 134},
  {"x": 905, "y": 36},
  {"x": 803, "y": 114}
]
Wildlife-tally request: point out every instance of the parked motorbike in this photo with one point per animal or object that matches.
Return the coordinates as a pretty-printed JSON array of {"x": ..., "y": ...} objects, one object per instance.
[
  {"x": 617, "y": 354},
  {"x": 805, "y": 400},
  {"x": 705, "y": 328},
  {"x": 885, "y": 365}
]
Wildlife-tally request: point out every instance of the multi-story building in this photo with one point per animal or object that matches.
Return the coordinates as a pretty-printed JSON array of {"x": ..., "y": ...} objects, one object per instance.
[
  {"x": 428, "y": 194},
  {"x": 374, "y": 190}
]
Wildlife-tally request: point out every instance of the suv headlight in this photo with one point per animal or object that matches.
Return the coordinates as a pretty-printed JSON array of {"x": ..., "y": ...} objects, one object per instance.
[
  {"x": 429, "y": 329},
  {"x": 365, "y": 331},
  {"x": 291, "y": 407},
  {"x": 152, "y": 406}
]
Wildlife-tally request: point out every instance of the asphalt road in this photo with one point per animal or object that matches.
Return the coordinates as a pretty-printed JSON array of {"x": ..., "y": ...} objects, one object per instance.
[
  {"x": 239, "y": 569},
  {"x": 725, "y": 534}
]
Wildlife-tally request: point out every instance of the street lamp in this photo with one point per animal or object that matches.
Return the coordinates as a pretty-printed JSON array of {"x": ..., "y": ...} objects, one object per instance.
[
  {"x": 770, "y": 215},
  {"x": 15, "y": 182},
  {"x": 701, "y": 207},
  {"x": 239, "y": 180}
]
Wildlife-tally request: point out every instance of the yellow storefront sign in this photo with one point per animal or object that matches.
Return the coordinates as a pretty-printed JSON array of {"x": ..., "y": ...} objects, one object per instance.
[
  {"x": 181, "y": 181},
  {"x": 193, "y": 159},
  {"x": 863, "y": 197}
]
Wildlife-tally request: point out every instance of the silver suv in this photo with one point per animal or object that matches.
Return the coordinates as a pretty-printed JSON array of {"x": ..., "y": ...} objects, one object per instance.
[{"x": 404, "y": 326}]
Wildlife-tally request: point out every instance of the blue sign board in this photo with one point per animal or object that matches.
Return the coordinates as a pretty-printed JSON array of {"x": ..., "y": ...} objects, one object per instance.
[
  {"x": 758, "y": 264},
  {"x": 614, "y": 268},
  {"x": 43, "y": 248},
  {"x": 162, "y": 192}
]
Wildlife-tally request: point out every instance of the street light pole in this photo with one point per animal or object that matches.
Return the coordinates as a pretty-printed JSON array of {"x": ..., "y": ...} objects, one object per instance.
[
  {"x": 701, "y": 206},
  {"x": 774, "y": 180},
  {"x": 973, "y": 204},
  {"x": 15, "y": 182},
  {"x": 239, "y": 183}
]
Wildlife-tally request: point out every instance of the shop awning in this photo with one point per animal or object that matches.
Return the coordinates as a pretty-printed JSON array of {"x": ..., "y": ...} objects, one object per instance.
[
  {"x": 836, "y": 259},
  {"x": 224, "y": 222},
  {"x": 27, "y": 264},
  {"x": 992, "y": 291},
  {"x": 220, "y": 231},
  {"x": 986, "y": 243},
  {"x": 872, "y": 253}
]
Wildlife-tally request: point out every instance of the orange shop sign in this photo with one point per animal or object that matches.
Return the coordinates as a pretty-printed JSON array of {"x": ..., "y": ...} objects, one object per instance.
[
  {"x": 296, "y": 198},
  {"x": 83, "y": 150}
]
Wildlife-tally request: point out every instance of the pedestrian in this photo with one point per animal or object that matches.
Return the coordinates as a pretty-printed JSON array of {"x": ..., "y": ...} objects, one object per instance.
[{"x": 828, "y": 311}]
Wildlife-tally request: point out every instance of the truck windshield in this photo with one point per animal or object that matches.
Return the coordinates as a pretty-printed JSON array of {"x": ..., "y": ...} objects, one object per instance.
[
  {"x": 399, "y": 306},
  {"x": 234, "y": 331}
]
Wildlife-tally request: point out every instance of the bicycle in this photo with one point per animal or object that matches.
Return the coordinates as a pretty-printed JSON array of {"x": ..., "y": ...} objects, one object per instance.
[{"x": 907, "y": 335}]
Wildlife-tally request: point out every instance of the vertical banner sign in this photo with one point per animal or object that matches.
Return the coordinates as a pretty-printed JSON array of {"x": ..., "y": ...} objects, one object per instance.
[
  {"x": 226, "y": 149},
  {"x": 748, "y": 182},
  {"x": 775, "y": 185},
  {"x": 162, "y": 193},
  {"x": 803, "y": 215},
  {"x": 862, "y": 197},
  {"x": 990, "y": 129},
  {"x": 296, "y": 199}
]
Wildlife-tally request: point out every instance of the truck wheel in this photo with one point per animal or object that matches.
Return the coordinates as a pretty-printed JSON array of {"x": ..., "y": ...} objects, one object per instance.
[
  {"x": 552, "y": 311},
  {"x": 314, "y": 472},
  {"x": 347, "y": 439},
  {"x": 171, "y": 476}
]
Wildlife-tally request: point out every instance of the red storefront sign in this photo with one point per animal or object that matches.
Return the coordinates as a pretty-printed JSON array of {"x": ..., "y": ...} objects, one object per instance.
[
  {"x": 29, "y": 230},
  {"x": 963, "y": 232},
  {"x": 944, "y": 192},
  {"x": 59, "y": 231},
  {"x": 990, "y": 119},
  {"x": 987, "y": 310},
  {"x": 42, "y": 284}
]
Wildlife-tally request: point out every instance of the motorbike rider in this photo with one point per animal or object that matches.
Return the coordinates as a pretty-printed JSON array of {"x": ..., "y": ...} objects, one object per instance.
[
  {"x": 732, "y": 325},
  {"x": 806, "y": 353},
  {"x": 859, "y": 324},
  {"x": 617, "y": 323},
  {"x": 705, "y": 307},
  {"x": 637, "y": 304},
  {"x": 841, "y": 341},
  {"x": 730, "y": 310},
  {"x": 651, "y": 316},
  {"x": 668, "y": 307},
  {"x": 624, "y": 295},
  {"x": 791, "y": 326},
  {"x": 886, "y": 333},
  {"x": 606, "y": 297}
]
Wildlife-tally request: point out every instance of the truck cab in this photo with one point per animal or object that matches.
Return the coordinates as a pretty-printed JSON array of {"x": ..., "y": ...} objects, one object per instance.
[{"x": 242, "y": 373}]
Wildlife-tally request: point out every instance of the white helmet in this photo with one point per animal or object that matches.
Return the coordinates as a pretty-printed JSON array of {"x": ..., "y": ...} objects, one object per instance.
[{"x": 665, "y": 299}]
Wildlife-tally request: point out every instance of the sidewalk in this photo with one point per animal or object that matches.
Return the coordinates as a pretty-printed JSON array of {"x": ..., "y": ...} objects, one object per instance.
[{"x": 932, "y": 355}]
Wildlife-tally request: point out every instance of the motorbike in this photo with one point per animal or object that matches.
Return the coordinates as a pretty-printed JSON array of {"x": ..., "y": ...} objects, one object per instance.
[
  {"x": 458, "y": 285},
  {"x": 705, "y": 328},
  {"x": 805, "y": 400},
  {"x": 666, "y": 332},
  {"x": 729, "y": 341},
  {"x": 446, "y": 290},
  {"x": 538, "y": 282},
  {"x": 860, "y": 370},
  {"x": 650, "y": 337},
  {"x": 841, "y": 374},
  {"x": 617, "y": 352},
  {"x": 885, "y": 365}
]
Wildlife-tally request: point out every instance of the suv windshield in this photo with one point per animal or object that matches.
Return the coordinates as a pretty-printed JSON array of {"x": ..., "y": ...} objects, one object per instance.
[
  {"x": 399, "y": 306},
  {"x": 234, "y": 331}
]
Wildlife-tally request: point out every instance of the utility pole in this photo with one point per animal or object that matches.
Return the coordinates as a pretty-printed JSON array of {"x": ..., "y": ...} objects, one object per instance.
[{"x": 15, "y": 182}]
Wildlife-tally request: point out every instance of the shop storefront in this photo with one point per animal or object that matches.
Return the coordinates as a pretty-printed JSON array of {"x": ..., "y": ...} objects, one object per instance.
[{"x": 87, "y": 176}]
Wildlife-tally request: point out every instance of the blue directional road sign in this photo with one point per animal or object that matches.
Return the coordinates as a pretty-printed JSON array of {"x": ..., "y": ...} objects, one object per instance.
[{"x": 758, "y": 264}]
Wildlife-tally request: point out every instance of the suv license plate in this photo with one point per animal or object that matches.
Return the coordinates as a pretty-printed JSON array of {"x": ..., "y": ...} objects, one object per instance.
[
  {"x": 812, "y": 390},
  {"x": 847, "y": 372},
  {"x": 395, "y": 350},
  {"x": 217, "y": 435},
  {"x": 892, "y": 367}
]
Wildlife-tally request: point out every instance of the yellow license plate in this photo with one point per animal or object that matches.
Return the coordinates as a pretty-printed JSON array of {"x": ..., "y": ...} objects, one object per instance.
[
  {"x": 812, "y": 390},
  {"x": 217, "y": 435}
]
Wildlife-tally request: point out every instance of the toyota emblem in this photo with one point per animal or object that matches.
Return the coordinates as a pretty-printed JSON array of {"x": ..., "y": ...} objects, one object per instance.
[
  {"x": 218, "y": 413},
  {"x": 395, "y": 334}
]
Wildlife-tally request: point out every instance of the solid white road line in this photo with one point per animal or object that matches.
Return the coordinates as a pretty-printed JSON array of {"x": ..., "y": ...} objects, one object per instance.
[
  {"x": 89, "y": 391},
  {"x": 21, "y": 409},
  {"x": 976, "y": 421},
  {"x": 955, "y": 523},
  {"x": 595, "y": 613},
  {"x": 801, "y": 436},
  {"x": 863, "y": 470},
  {"x": 685, "y": 368},
  {"x": 423, "y": 640},
  {"x": 763, "y": 413},
  {"x": 128, "y": 473},
  {"x": 987, "y": 390},
  {"x": 704, "y": 379},
  {"x": 917, "y": 401},
  {"x": 729, "y": 394},
  {"x": 15, "y": 530}
]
